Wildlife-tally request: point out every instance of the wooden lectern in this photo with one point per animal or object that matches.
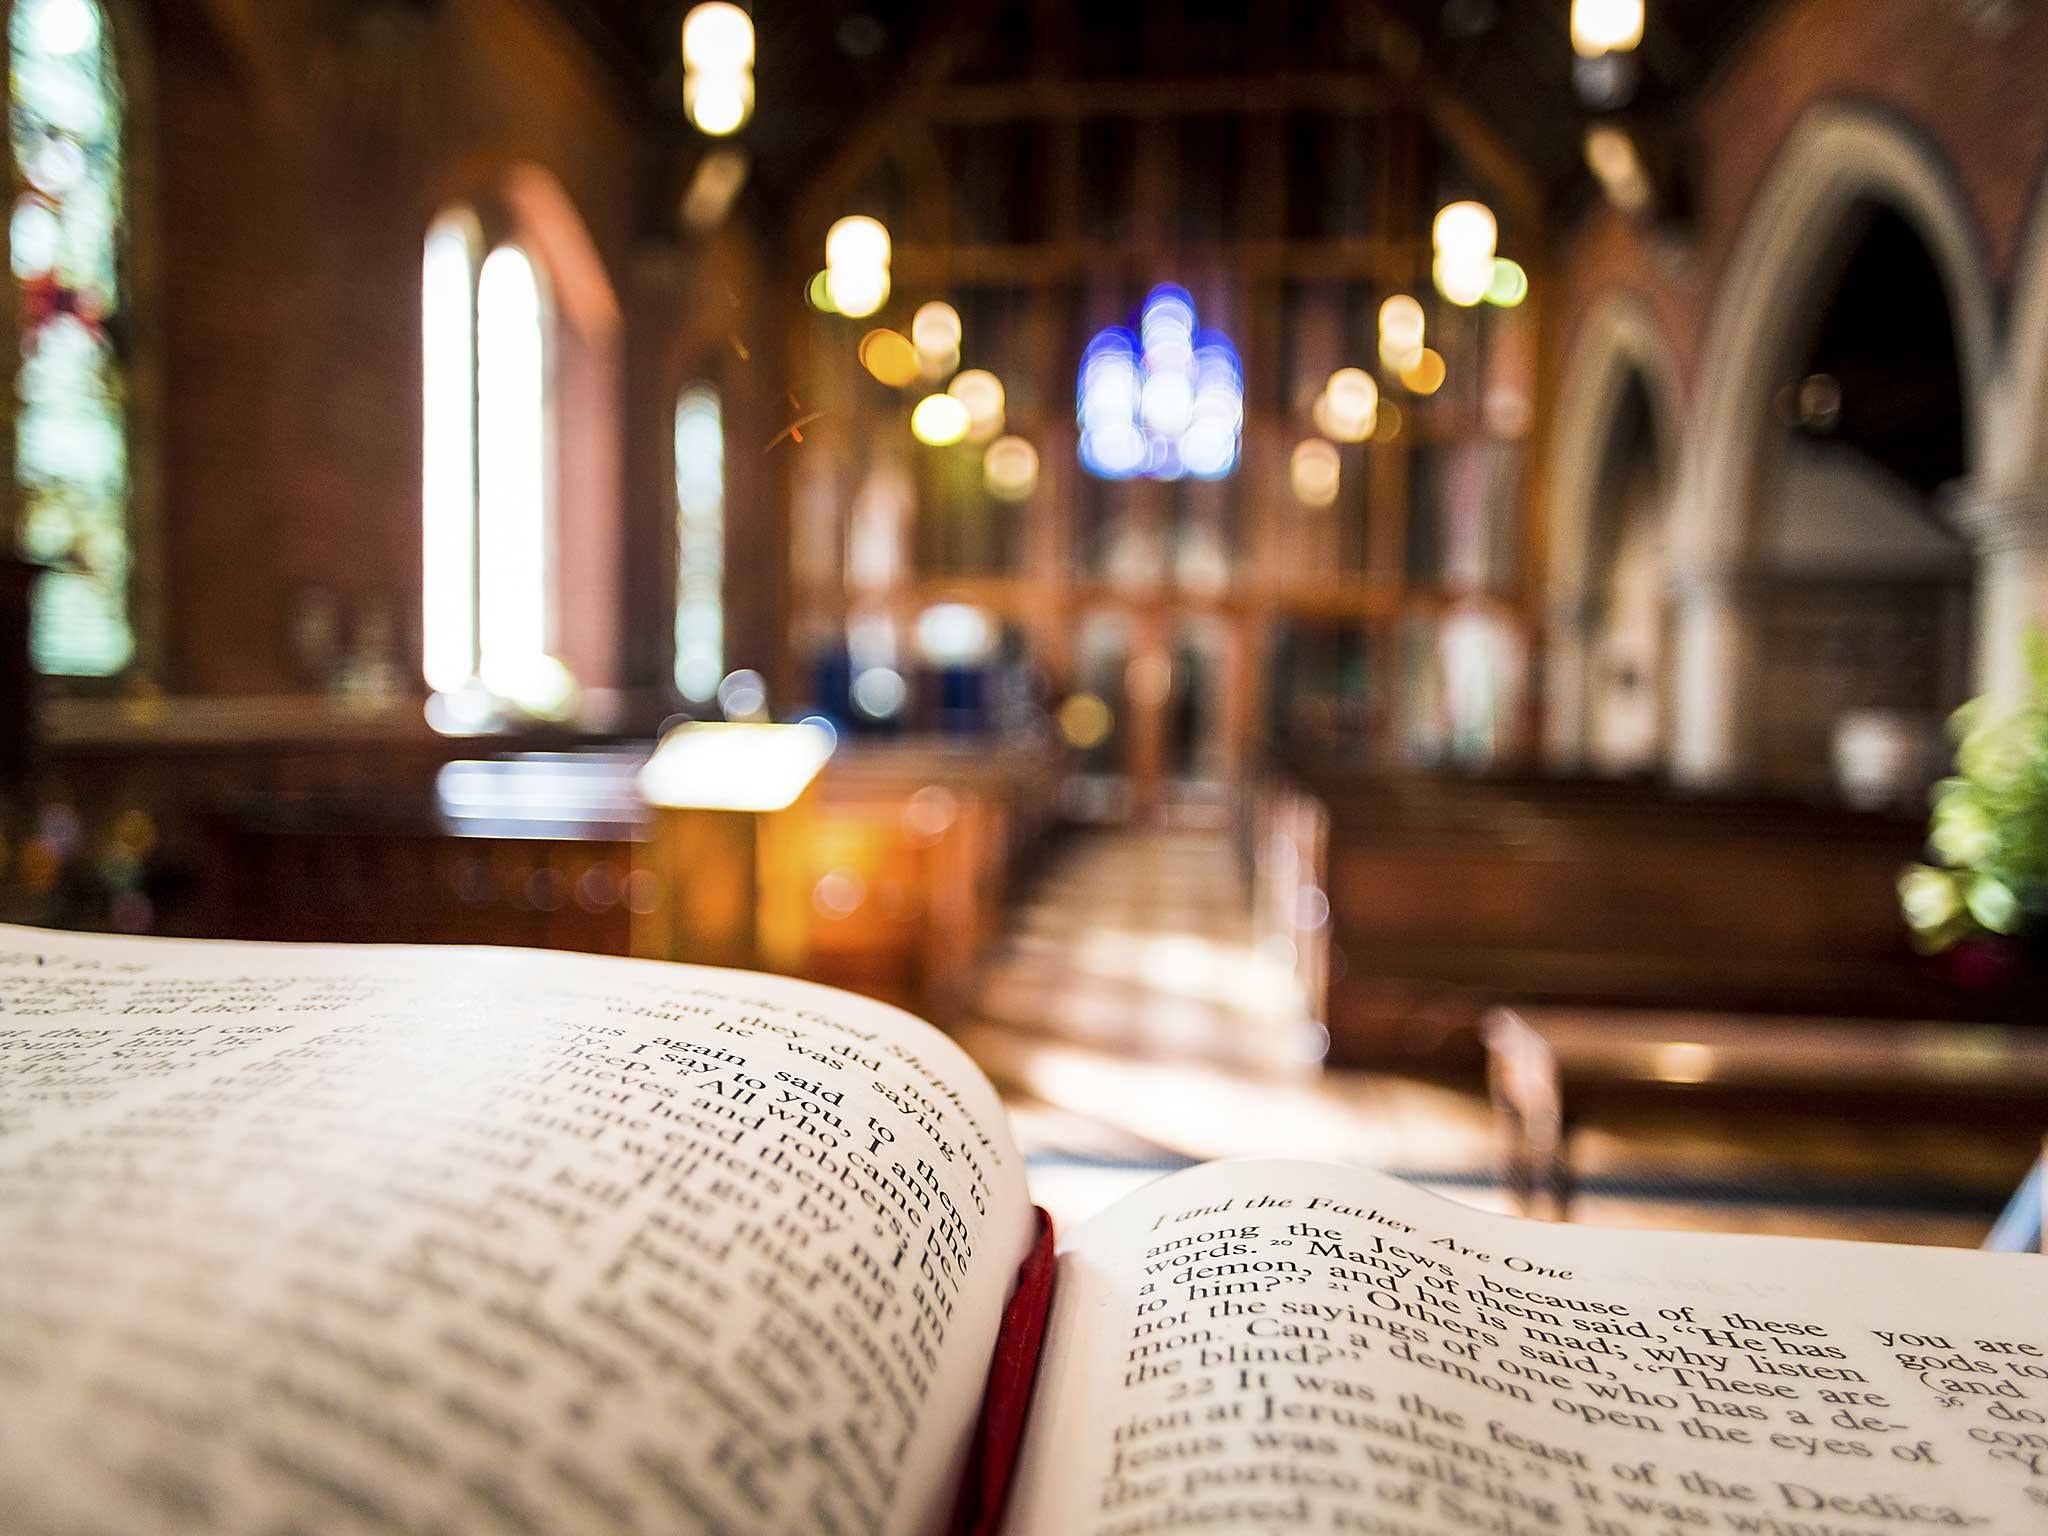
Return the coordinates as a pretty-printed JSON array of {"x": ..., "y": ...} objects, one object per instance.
[{"x": 733, "y": 805}]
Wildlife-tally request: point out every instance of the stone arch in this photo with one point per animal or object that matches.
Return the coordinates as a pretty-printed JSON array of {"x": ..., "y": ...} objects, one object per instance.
[
  {"x": 2017, "y": 451},
  {"x": 1776, "y": 283},
  {"x": 1619, "y": 348}
]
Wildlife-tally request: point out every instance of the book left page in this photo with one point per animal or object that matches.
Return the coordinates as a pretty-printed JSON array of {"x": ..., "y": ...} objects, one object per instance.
[{"x": 325, "y": 1238}]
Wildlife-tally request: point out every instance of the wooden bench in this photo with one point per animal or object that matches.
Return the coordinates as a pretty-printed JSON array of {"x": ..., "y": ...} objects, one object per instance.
[
  {"x": 1548, "y": 1068},
  {"x": 1445, "y": 896}
]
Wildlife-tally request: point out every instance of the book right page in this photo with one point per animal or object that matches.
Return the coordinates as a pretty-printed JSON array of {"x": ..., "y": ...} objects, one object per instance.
[{"x": 1270, "y": 1346}]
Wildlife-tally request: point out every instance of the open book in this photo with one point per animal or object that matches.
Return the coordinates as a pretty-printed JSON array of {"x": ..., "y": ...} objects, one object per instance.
[{"x": 323, "y": 1239}]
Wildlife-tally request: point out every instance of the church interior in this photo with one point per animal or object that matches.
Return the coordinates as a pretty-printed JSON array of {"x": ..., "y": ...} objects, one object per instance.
[{"x": 1450, "y": 585}]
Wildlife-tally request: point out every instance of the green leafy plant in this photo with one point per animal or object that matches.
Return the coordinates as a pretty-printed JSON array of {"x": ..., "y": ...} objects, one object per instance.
[{"x": 1989, "y": 830}]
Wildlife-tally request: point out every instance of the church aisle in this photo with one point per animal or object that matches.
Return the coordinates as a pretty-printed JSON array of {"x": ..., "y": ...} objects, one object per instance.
[{"x": 1135, "y": 1025}]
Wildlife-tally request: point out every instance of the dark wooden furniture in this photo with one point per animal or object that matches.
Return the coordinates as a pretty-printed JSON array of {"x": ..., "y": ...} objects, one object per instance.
[
  {"x": 905, "y": 868},
  {"x": 1447, "y": 895},
  {"x": 1548, "y": 1068}
]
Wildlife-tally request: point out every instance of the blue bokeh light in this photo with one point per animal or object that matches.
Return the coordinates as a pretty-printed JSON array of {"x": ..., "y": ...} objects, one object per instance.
[{"x": 1163, "y": 401}]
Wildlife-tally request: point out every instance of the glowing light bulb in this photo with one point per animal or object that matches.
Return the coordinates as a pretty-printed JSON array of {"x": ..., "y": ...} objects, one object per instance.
[
  {"x": 1010, "y": 469},
  {"x": 1427, "y": 376},
  {"x": 718, "y": 103},
  {"x": 857, "y": 241},
  {"x": 1314, "y": 472},
  {"x": 718, "y": 75},
  {"x": 1463, "y": 278},
  {"x": 939, "y": 421},
  {"x": 1606, "y": 26},
  {"x": 1401, "y": 323},
  {"x": 1510, "y": 284},
  {"x": 1465, "y": 230},
  {"x": 1350, "y": 402},
  {"x": 935, "y": 329},
  {"x": 857, "y": 290},
  {"x": 982, "y": 393},
  {"x": 718, "y": 38},
  {"x": 889, "y": 357}
]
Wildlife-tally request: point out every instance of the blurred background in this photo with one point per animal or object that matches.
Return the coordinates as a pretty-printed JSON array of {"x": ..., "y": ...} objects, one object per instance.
[{"x": 1387, "y": 580}]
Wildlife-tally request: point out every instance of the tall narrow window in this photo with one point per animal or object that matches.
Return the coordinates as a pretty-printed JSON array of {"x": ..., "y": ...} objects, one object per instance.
[
  {"x": 512, "y": 469},
  {"x": 700, "y": 539},
  {"x": 65, "y": 237},
  {"x": 448, "y": 490},
  {"x": 487, "y": 463}
]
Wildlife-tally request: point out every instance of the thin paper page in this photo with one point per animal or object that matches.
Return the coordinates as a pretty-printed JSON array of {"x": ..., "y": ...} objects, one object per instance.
[
  {"x": 351, "y": 1239},
  {"x": 1265, "y": 1347}
]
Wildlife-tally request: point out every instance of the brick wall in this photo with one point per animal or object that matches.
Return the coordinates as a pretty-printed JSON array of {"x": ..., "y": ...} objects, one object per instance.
[
  {"x": 298, "y": 151},
  {"x": 1980, "y": 103}
]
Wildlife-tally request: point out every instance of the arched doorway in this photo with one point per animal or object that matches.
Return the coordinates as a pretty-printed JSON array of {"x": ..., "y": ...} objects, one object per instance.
[
  {"x": 1854, "y": 196},
  {"x": 1612, "y": 455},
  {"x": 1625, "y": 608},
  {"x": 1860, "y": 584}
]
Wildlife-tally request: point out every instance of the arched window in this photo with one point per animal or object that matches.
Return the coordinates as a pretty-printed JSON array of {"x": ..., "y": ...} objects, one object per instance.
[
  {"x": 487, "y": 462},
  {"x": 700, "y": 543},
  {"x": 65, "y": 237}
]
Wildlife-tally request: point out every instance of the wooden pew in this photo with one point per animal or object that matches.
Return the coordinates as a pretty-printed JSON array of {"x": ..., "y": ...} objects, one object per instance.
[{"x": 1446, "y": 895}]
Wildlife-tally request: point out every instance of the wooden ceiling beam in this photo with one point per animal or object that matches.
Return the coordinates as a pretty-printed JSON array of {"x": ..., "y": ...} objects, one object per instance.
[
  {"x": 1476, "y": 140},
  {"x": 1069, "y": 100},
  {"x": 1032, "y": 264}
]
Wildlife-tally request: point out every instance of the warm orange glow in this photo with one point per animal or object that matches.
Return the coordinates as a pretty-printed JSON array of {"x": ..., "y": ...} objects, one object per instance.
[
  {"x": 1606, "y": 26},
  {"x": 719, "y": 104},
  {"x": 1427, "y": 376},
  {"x": 1148, "y": 681},
  {"x": 857, "y": 265},
  {"x": 982, "y": 393},
  {"x": 1462, "y": 279},
  {"x": 889, "y": 356},
  {"x": 1010, "y": 469},
  {"x": 718, "y": 55},
  {"x": 718, "y": 38},
  {"x": 734, "y": 767},
  {"x": 1315, "y": 472},
  {"x": 1350, "y": 401},
  {"x": 1465, "y": 230},
  {"x": 935, "y": 330},
  {"x": 857, "y": 291},
  {"x": 1085, "y": 722},
  {"x": 1401, "y": 329},
  {"x": 857, "y": 241}
]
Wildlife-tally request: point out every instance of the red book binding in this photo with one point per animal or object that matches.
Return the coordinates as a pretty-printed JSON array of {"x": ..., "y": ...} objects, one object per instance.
[{"x": 992, "y": 1456}]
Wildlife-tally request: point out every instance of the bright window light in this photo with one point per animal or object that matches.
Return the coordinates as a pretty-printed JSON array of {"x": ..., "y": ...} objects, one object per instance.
[
  {"x": 513, "y": 455},
  {"x": 700, "y": 544},
  {"x": 448, "y": 489}
]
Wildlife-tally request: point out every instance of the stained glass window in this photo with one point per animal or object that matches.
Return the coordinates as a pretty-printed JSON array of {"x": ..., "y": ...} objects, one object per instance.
[
  {"x": 65, "y": 236},
  {"x": 700, "y": 535}
]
